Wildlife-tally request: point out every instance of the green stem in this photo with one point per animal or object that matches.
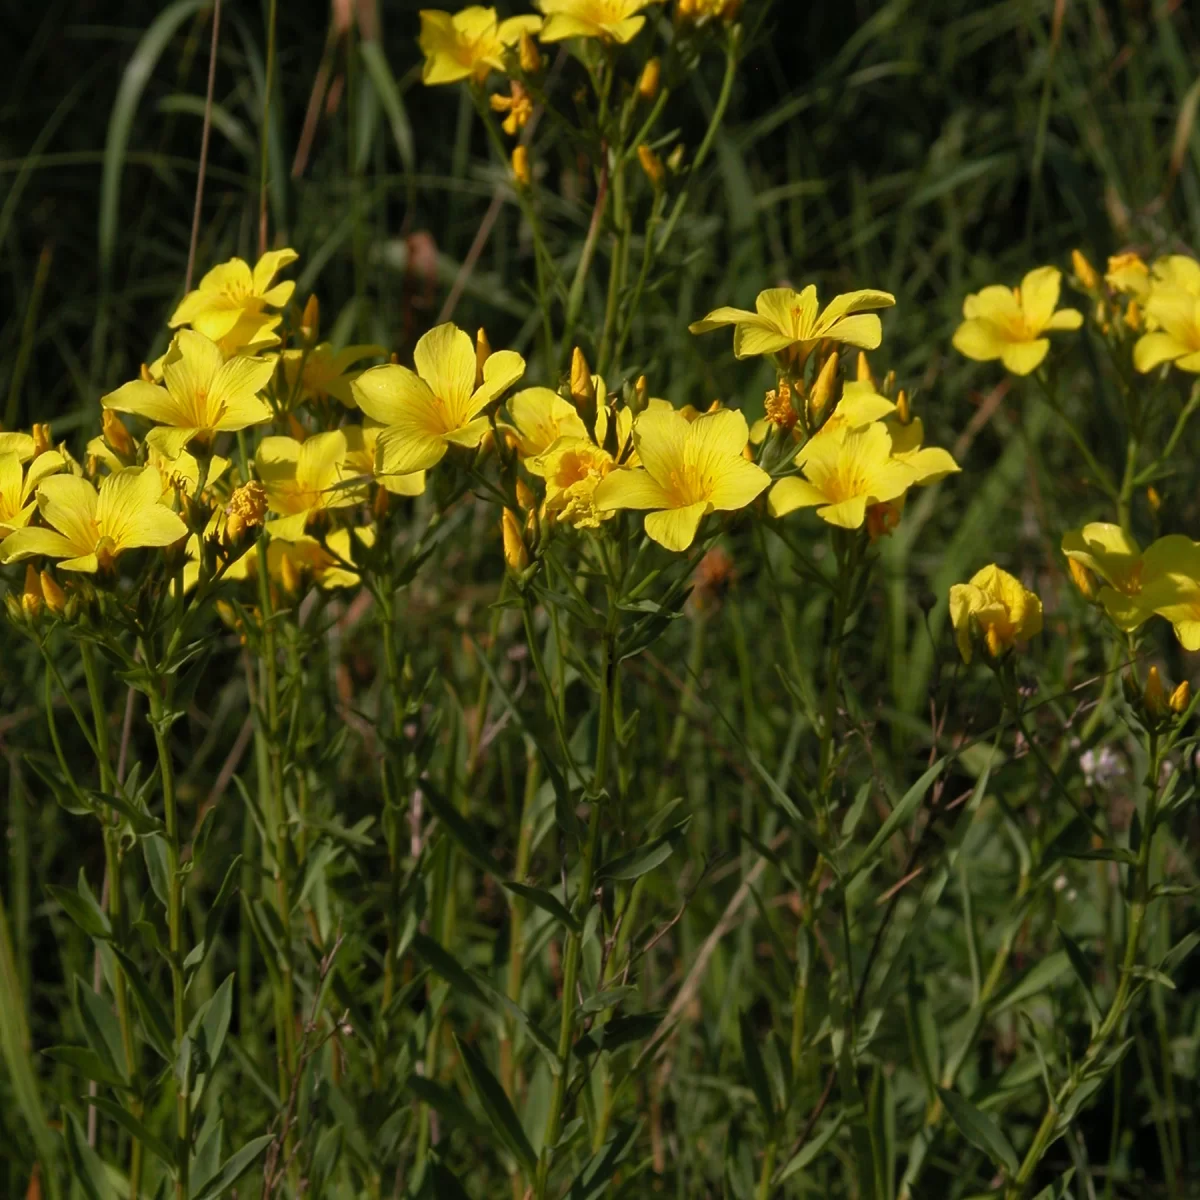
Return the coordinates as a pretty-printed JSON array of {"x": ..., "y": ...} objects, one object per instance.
[
  {"x": 112, "y": 863},
  {"x": 264, "y": 147},
  {"x": 763, "y": 1191},
  {"x": 1140, "y": 889},
  {"x": 159, "y": 723},
  {"x": 583, "y": 899}
]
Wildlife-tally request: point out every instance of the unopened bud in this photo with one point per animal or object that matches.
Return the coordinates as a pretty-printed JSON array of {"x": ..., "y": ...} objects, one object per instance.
[
  {"x": 483, "y": 350},
  {"x": 823, "y": 388},
  {"x": 529, "y": 55},
  {"x": 41, "y": 439},
  {"x": 1154, "y": 697},
  {"x": 296, "y": 430},
  {"x": 1084, "y": 271},
  {"x": 675, "y": 160},
  {"x": 31, "y": 597},
  {"x": 520, "y": 166},
  {"x": 525, "y": 497},
  {"x": 1181, "y": 697},
  {"x": 380, "y": 506},
  {"x": 993, "y": 641},
  {"x": 116, "y": 435},
  {"x": 650, "y": 78},
  {"x": 1082, "y": 578},
  {"x": 144, "y": 374},
  {"x": 310, "y": 321},
  {"x": 863, "y": 370},
  {"x": 583, "y": 390},
  {"x": 515, "y": 554},
  {"x": 289, "y": 575},
  {"x": 889, "y": 384},
  {"x": 652, "y": 165},
  {"x": 1133, "y": 315},
  {"x": 1153, "y": 498},
  {"x": 903, "y": 409},
  {"x": 55, "y": 597}
]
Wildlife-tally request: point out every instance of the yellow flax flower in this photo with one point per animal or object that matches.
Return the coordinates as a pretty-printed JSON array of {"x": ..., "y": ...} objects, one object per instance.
[
  {"x": 573, "y": 468},
  {"x": 361, "y": 459},
  {"x": 18, "y": 485},
  {"x": 542, "y": 416},
  {"x": 20, "y": 444},
  {"x": 845, "y": 471},
  {"x": 202, "y": 394},
  {"x": 1174, "y": 315},
  {"x": 323, "y": 372},
  {"x": 995, "y": 608},
  {"x": 930, "y": 464},
  {"x": 1171, "y": 586},
  {"x": 784, "y": 318},
  {"x": 438, "y": 405},
  {"x": 1008, "y": 323},
  {"x": 230, "y": 304},
  {"x": 614, "y": 20},
  {"x": 688, "y": 469},
  {"x": 1128, "y": 274},
  {"x": 302, "y": 479},
  {"x": 89, "y": 529},
  {"x": 468, "y": 44},
  {"x": 1110, "y": 553}
]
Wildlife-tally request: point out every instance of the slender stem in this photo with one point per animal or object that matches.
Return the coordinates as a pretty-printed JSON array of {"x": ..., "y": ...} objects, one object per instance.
[
  {"x": 763, "y": 1191},
  {"x": 202, "y": 167},
  {"x": 1140, "y": 890},
  {"x": 616, "y": 271},
  {"x": 583, "y": 899},
  {"x": 264, "y": 148},
  {"x": 159, "y": 723}
]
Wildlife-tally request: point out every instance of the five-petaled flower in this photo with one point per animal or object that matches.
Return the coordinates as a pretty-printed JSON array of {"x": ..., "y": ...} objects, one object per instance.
[
  {"x": 688, "y": 469},
  {"x": 88, "y": 529},
  {"x": 785, "y": 319},
  {"x": 303, "y": 479},
  {"x": 437, "y": 406},
  {"x": 614, "y": 20},
  {"x": 468, "y": 44},
  {"x": 995, "y": 609},
  {"x": 202, "y": 394},
  {"x": 1009, "y": 323}
]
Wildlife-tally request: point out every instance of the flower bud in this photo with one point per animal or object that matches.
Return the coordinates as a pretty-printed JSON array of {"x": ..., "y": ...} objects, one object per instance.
[
  {"x": 1084, "y": 271},
  {"x": 889, "y": 384},
  {"x": 583, "y": 390},
  {"x": 380, "y": 505},
  {"x": 1133, "y": 315},
  {"x": 652, "y": 165},
  {"x": 641, "y": 394},
  {"x": 650, "y": 79},
  {"x": 1154, "y": 697},
  {"x": 32, "y": 598},
  {"x": 863, "y": 370},
  {"x": 289, "y": 575},
  {"x": 675, "y": 159},
  {"x": 116, "y": 435},
  {"x": 1153, "y": 498},
  {"x": 41, "y": 439},
  {"x": 520, "y": 166},
  {"x": 525, "y": 497},
  {"x": 515, "y": 554},
  {"x": 145, "y": 375},
  {"x": 1082, "y": 578},
  {"x": 310, "y": 321},
  {"x": 55, "y": 597},
  {"x": 822, "y": 391},
  {"x": 295, "y": 430},
  {"x": 529, "y": 55},
  {"x": 483, "y": 350},
  {"x": 903, "y": 409},
  {"x": 1181, "y": 697}
]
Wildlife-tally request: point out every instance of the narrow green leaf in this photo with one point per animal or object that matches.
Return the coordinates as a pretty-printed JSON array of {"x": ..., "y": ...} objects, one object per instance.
[
  {"x": 443, "y": 963},
  {"x": 899, "y": 815},
  {"x": 1036, "y": 981},
  {"x": 1083, "y": 969},
  {"x": 234, "y": 1167},
  {"x": 645, "y": 858},
  {"x": 460, "y": 830},
  {"x": 546, "y": 901},
  {"x": 134, "y": 1127},
  {"x": 83, "y": 911},
  {"x": 154, "y": 1016},
  {"x": 88, "y": 1063},
  {"x": 593, "y": 1181},
  {"x": 445, "y": 1102},
  {"x": 811, "y": 1149},
  {"x": 384, "y": 83},
  {"x": 981, "y": 1129},
  {"x": 140, "y": 822},
  {"x": 497, "y": 1107},
  {"x": 755, "y": 1071}
]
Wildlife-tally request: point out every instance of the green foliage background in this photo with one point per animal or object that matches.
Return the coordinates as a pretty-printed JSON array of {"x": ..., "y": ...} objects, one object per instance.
[{"x": 927, "y": 148}]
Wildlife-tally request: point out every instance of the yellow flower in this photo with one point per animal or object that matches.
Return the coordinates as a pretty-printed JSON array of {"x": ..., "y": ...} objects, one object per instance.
[
  {"x": 1109, "y": 552},
  {"x": 468, "y": 44},
  {"x": 518, "y": 104},
  {"x": 996, "y": 608},
  {"x": 361, "y": 459},
  {"x": 859, "y": 407},
  {"x": 542, "y": 416},
  {"x": 17, "y": 487},
  {"x": 1174, "y": 315},
  {"x": 1178, "y": 271},
  {"x": 20, "y": 444},
  {"x": 784, "y": 318},
  {"x": 88, "y": 530},
  {"x": 230, "y": 304},
  {"x": 202, "y": 394},
  {"x": 688, "y": 469},
  {"x": 613, "y": 20},
  {"x": 1127, "y": 273},
  {"x": 324, "y": 372},
  {"x": 1171, "y": 586},
  {"x": 438, "y": 405},
  {"x": 930, "y": 464},
  {"x": 845, "y": 470},
  {"x": 1008, "y": 323},
  {"x": 573, "y": 468},
  {"x": 302, "y": 479}
]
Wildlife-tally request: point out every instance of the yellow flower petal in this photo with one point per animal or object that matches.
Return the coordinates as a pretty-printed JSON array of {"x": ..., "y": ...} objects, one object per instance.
[{"x": 675, "y": 528}]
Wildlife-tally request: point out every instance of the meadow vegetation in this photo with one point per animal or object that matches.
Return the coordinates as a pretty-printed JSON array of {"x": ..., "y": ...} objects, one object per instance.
[{"x": 600, "y": 600}]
